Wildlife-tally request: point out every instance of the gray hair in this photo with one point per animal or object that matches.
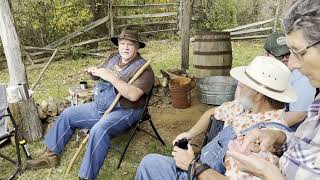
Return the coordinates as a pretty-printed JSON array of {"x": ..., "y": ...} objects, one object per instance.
[{"x": 304, "y": 15}]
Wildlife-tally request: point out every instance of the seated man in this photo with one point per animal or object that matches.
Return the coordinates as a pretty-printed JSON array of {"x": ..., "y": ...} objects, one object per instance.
[
  {"x": 263, "y": 90},
  {"x": 275, "y": 45},
  {"x": 113, "y": 76}
]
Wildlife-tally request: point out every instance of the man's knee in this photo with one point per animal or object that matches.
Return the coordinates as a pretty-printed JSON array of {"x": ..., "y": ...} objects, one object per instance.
[
  {"x": 156, "y": 166},
  {"x": 149, "y": 160},
  {"x": 66, "y": 113},
  {"x": 101, "y": 129},
  {"x": 97, "y": 129}
]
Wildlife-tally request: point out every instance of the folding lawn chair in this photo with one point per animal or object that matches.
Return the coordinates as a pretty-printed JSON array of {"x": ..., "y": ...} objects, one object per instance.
[
  {"x": 7, "y": 134},
  {"x": 144, "y": 117}
]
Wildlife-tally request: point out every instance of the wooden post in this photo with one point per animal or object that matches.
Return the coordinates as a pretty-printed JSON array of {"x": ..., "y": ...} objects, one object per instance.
[
  {"x": 25, "y": 111},
  {"x": 276, "y": 16},
  {"x": 111, "y": 19},
  {"x": 185, "y": 33},
  {"x": 180, "y": 16},
  {"x": 43, "y": 70}
]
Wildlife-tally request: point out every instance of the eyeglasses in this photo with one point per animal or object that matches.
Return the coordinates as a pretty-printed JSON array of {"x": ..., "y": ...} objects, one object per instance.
[
  {"x": 298, "y": 54},
  {"x": 281, "y": 58}
]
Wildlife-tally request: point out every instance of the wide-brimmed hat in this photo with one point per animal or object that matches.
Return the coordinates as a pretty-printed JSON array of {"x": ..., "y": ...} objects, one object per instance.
[
  {"x": 129, "y": 35},
  {"x": 268, "y": 76},
  {"x": 276, "y": 44}
]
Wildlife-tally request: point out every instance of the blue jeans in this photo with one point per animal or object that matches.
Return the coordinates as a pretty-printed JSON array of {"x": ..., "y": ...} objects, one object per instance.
[
  {"x": 102, "y": 129},
  {"x": 159, "y": 167},
  {"x": 154, "y": 166}
]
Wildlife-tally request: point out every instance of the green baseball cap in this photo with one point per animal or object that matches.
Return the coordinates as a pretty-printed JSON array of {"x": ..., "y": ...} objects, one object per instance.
[{"x": 276, "y": 44}]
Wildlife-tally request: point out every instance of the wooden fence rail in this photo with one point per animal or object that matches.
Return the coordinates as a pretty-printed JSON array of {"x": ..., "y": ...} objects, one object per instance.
[
  {"x": 90, "y": 41},
  {"x": 80, "y": 31},
  {"x": 251, "y": 31},
  {"x": 250, "y": 25},
  {"x": 162, "y": 30},
  {"x": 146, "y": 24},
  {"x": 249, "y": 37},
  {"x": 148, "y": 5},
  {"x": 61, "y": 50},
  {"x": 158, "y": 15},
  {"x": 74, "y": 34}
]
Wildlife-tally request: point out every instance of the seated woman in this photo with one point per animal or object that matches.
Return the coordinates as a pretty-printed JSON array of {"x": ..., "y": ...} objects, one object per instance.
[{"x": 263, "y": 90}]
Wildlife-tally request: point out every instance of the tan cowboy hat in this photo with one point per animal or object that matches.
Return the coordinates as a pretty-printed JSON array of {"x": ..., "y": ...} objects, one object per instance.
[
  {"x": 129, "y": 35},
  {"x": 268, "y": 76}
]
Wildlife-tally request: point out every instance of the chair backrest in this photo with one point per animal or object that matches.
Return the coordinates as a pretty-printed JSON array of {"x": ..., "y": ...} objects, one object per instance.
[
  {"x": 3, "y": 109},
  {"x": 149, "y": 95},
  {"x": 215, "y": 126},
  {"x": 145, "y": 107}
]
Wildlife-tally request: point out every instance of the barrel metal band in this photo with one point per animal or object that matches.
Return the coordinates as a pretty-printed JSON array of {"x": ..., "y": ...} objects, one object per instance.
[
  {"x": 262, "y": 85},
  {"x": 212, "y": 53},
  {"x": 211, "y": 40},
  {"x": 212, "y": 67}
]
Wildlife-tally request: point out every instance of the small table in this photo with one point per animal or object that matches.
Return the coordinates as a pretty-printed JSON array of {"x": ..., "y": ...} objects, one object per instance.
[
  {"x": 76, "y": 92},
  {"x": 80, "y": 96}
]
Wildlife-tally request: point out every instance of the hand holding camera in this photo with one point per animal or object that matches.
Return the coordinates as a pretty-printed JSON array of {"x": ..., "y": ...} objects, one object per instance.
[{"x": 182, "y": 144}]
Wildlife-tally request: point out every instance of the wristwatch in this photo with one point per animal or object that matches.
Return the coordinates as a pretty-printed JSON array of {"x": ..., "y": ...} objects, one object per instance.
[{"x": 200, "y": 169}]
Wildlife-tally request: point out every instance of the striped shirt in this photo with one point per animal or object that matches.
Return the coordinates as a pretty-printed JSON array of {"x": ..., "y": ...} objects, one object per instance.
[{"x": 302, "y": 158}]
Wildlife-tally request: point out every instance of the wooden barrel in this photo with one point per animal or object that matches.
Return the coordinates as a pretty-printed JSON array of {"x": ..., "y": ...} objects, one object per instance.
[{"x": 212, "y": 54}]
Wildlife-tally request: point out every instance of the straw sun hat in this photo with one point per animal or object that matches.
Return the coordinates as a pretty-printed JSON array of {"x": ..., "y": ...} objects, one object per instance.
[{"x": 268, "y": 76}]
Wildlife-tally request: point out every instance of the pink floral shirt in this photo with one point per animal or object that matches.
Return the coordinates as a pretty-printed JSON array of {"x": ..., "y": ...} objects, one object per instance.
[{"x": 234, "y": 114}]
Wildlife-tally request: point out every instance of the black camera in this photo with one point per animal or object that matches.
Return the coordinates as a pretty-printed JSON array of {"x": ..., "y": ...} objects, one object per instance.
[{"x": 182, "y": 143}]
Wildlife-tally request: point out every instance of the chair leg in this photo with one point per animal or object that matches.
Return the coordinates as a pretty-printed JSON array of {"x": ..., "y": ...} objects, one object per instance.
[
  {"x": 16, "y": 139},
  {"x": 18, "y": 153},
  {"x": 126, "y": 148},
  {"x": 13, "y": 176},
  {"x": 156, "y": 132},
  {"x": 8, "y": 159}
]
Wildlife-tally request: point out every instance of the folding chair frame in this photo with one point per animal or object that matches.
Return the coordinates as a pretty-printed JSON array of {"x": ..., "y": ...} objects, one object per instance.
[
  {"x": 13, "y": 132},
  {"x": 144, "y": 117}
]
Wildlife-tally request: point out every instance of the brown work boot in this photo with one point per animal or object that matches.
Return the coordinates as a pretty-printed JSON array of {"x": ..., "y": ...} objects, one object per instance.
[{"x": 48, "y": 160}]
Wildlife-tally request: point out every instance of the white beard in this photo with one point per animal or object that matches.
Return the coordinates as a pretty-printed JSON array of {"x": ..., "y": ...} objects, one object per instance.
[{"x": 245, "y": 101}]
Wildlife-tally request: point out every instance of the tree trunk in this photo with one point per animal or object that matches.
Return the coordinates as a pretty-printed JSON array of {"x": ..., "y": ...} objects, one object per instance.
[
  {"x": 26, "y": 116},
  {"x": 98, "y": 8},
  {"x": 25, "y": 111}
]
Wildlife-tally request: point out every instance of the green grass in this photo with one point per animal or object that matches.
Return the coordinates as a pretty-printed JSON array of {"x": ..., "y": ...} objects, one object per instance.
[{"x": 65, "y": 73}]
